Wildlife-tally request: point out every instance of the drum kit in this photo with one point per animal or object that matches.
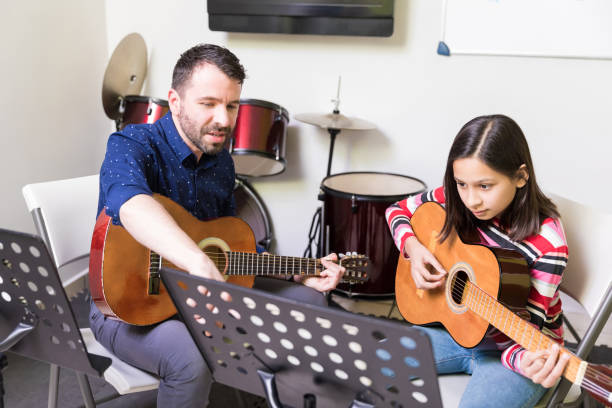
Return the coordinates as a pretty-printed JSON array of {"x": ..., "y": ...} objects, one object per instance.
[{"x": 352, "y": 217}]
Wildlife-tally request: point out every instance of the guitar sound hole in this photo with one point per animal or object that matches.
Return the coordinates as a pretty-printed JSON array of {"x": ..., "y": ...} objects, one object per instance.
[
  {"x": 458, "y": 286},
  {"x": 217, "y": 255}
]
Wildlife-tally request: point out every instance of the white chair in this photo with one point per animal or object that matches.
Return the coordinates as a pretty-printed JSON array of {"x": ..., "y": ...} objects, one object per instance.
[
  {"x": 64, "y": 212},
  {"x": 587, "y": 279}
]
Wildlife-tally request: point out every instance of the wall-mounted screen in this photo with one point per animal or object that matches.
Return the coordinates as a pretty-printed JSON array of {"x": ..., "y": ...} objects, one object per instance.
[{"x": 324, "y": 17}]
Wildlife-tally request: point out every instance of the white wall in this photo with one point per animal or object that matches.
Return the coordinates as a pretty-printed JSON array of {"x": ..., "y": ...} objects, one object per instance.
[
  {"x": 418, "y": 100},
  {"x": 52, "y": 122}
]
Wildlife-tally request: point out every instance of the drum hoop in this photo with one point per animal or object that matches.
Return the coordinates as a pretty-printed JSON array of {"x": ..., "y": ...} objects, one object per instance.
[
  {"x": 246, "y": 152},
  {"x": 142, "y": 98},
  {"x": 265, "y": 104},
  {"x": 250, "y": 190},
  {"x": 369, "y": 197},
  {"x": 258, "y": 153}
]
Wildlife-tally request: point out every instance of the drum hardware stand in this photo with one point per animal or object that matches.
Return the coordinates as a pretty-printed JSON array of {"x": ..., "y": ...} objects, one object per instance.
[
  {"x": 332, "y": 133},
  {"x": 313, "y": 234}
]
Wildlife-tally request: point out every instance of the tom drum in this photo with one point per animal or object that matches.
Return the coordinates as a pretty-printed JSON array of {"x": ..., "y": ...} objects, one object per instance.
[
  {"x": 258, "y": 142},
  {"x": 140, "y": 109}
]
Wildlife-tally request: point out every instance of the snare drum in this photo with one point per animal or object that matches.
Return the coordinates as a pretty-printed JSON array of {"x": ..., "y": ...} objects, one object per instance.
[
  {"x": 354, "y": 221},
  {"x": 258, "y": 143},
  {"x": 250, "y": 207},
  {"x": 140, "y": 109}
]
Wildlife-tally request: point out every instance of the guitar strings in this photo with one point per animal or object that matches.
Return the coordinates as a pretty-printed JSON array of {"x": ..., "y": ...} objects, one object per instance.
[
  {"x": 282, "y": 265},
  {"x": 276, "y": 259},
  {"x": 597, "y": 389},
  {"x": 591, "y": 375}
]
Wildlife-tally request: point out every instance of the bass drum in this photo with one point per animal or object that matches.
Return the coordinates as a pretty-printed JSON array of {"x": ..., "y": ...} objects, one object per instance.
[
  {"x": 251, "y": 208},
  {"x": 354, "y": 220}
]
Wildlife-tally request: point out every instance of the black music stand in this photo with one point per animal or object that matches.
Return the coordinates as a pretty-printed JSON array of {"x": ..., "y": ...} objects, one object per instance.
[
  {"x": 36, "y": 319},
  {"x": 301, "y": 355}
]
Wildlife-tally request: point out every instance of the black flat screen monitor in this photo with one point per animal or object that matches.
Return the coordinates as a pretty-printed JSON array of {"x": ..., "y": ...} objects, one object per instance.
[{"x": 324, "y": 17}]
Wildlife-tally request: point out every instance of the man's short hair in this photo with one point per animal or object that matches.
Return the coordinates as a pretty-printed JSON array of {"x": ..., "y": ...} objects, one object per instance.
[{"x": 201, "y": 54}]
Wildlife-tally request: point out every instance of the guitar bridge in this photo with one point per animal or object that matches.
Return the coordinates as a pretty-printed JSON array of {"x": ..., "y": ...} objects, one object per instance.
[
  {"x": 154, "y": 281},
  {"x": 154, "y": 275}
]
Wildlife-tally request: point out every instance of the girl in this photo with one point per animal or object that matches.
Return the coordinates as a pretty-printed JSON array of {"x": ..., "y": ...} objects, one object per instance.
[{"x": 491, "y": 197}]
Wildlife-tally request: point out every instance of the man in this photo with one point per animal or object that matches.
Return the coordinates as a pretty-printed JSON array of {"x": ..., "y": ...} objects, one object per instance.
[{"x": 182, "y": 157}]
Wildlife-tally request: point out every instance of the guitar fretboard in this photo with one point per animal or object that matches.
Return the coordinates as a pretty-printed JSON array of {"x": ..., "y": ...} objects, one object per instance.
[
  {"x": 247, "y": 263},
  {"x": 516, "y": 328}
]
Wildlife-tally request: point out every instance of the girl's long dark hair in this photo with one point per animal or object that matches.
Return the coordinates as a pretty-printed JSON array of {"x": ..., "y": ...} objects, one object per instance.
[{"x": 499, "y": 142}]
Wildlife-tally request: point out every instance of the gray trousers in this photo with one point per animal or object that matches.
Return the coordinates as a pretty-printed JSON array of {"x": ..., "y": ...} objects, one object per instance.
[{"x": 167, "y": 350}]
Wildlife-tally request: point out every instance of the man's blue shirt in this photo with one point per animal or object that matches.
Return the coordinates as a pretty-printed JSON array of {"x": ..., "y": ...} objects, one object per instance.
[{"x": 153, "y": 158}]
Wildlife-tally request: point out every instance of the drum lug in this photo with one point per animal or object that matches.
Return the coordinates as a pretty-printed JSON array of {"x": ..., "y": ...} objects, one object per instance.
[
  {"x": 353, "y": 204},
  {"x": 121, "y": 105},
  {"x": 121, "y": 110},
  {"x": 277, "y": 118}
]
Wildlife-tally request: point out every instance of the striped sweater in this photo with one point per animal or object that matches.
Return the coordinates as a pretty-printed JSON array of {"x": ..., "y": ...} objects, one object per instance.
[{"x": 546, "y": 254}]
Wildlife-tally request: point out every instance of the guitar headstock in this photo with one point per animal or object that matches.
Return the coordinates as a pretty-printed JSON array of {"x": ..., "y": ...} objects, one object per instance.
[{"x": 357, "y": 268}]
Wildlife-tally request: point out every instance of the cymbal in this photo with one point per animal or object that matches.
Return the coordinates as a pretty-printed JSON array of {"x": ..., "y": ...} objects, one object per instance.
[
  {"x": 125, "y": 73},
  {"x": 334, "y": 121}
]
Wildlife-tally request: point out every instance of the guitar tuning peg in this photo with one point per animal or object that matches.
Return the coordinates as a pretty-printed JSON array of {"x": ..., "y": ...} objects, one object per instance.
[
  {"x": 354, "y": 253},
  {"x": 341, "y": 255}
]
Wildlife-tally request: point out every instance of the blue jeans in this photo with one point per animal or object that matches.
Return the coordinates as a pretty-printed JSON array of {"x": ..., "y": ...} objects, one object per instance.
[{"x": 492, "y": 384}]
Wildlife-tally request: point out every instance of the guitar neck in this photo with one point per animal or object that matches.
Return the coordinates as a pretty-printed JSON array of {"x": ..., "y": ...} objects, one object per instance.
[
  {"x": 247, "y": 263},
  {"x": 518, "y": 329}
]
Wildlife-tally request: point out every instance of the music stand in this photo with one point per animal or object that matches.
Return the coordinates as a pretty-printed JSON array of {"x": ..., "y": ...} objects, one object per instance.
[
  {"x": 301, "y": 354},
  {"x": 36, "y": 319}
]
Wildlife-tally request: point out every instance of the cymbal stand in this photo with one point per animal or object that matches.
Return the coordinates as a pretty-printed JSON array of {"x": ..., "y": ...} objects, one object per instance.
[{"x": 332, "y": 131}]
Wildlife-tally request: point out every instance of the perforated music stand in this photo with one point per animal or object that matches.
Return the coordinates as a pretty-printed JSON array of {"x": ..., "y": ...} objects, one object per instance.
[
  {"x": 36, "y": 319},
  {"x": 304, "y": 355}
]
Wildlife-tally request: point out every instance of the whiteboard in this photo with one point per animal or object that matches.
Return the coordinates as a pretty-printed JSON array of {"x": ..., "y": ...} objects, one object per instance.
[{"x": 537, "y": 28}]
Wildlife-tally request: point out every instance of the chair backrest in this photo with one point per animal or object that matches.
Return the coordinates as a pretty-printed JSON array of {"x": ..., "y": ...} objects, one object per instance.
[
  {"x": 64, "y": 212},
  {"x": 589, "y": 268}
]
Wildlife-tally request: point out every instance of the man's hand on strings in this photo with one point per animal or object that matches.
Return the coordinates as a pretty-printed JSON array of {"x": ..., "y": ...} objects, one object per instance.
[{"x": 328, "y": 279}]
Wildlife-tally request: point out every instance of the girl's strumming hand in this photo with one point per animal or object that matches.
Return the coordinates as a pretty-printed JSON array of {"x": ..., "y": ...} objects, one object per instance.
[{"x": 426, "y": 271}]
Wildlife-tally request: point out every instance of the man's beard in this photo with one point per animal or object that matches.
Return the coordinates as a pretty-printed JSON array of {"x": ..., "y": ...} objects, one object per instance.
[{"x": 196, "y": 135}]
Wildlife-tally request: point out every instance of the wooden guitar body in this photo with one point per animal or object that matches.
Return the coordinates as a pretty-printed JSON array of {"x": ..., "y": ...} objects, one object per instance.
[
  {"x": 501, "y": 273},
  {"x": 118, "y": 281},
  {"x": 125, "y": 281}
]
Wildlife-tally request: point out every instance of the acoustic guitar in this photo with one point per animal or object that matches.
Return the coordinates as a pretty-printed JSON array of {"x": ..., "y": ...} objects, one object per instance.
[
  {"x": 124, "y": 276},
  {"x": 484, "y": 286}
]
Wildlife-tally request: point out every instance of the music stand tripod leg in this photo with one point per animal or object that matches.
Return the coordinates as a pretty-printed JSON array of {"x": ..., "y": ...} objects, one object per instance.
[
  {"x": 85, "y": 390},
  {"x": 53, "y": 385},
  {"x": 269, "y": 383}
]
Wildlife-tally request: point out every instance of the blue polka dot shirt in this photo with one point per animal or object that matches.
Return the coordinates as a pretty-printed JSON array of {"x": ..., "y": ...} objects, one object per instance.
[{"x": 152, "y": 158}]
